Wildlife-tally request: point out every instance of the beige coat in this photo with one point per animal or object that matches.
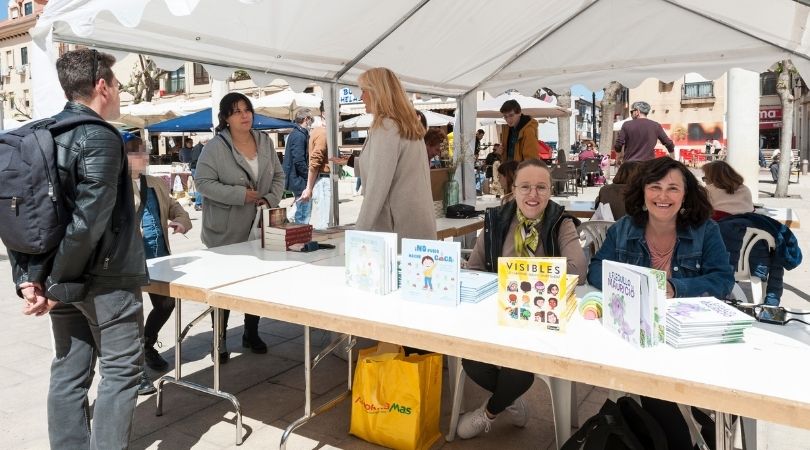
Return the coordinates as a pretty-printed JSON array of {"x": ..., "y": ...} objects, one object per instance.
[
  {"x": 396, "y": 185},
  {"x": 170, "y": 210},
  {"x": 223, "y": 177}
]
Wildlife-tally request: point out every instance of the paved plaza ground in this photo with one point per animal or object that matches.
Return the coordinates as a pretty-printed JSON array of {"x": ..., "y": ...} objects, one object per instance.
[{"x": 270, "y": 387}]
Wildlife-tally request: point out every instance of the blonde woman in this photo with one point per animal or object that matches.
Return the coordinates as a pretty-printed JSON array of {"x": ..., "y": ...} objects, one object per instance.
[{"x": 396, "y": 180}]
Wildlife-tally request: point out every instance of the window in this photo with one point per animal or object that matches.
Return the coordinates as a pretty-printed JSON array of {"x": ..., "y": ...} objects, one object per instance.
[
  {"x": 767, "y": 83},
  {"x": 11, "y": 102},
  {"x": 26, "y": 99},
  {"x": 176, "y": 81},
  {"x": 665, "y": 87},
  {"x": 701, "y": 89},
  {"x": 24, "y": 55},
  {"x": 200, "y": 75},
  {"x": 28, "y": 8},
  {"x": 10, "y": 59}
]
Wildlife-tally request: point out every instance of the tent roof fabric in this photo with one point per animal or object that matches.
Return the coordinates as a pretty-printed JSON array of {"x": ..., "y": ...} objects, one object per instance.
[
  {"x": 443, "y": 47},
  {"x": 201, "y": 121}
]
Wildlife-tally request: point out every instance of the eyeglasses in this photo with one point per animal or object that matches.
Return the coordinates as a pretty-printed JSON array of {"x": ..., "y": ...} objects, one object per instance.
[
  {"x": 510, "y": 115},
  {"x": 95, "y": 67},
  {"x": 775, "y": 315},
  {"x": 526, "y": 189}
]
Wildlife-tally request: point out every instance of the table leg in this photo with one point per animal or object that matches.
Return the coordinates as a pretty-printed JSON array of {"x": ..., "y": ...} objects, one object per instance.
[
  {"x": 724, "y": 432},
  {"x": 310, "y": 364},
  {"x": 177, "y": 379}
]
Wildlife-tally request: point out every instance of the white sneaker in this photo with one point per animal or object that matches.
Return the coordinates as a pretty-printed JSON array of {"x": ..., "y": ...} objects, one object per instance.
[
  {"x": 518, "y": 414},
  {"x": 473, "y": 423}
]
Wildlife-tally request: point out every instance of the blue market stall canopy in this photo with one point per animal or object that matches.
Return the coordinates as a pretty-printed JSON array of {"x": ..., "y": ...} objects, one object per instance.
[{"x": 201, "y": 121}]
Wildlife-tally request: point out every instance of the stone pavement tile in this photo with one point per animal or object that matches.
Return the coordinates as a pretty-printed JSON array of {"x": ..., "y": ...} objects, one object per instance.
[
  {"x": 170, "y": 439},
  {"x": 283, "y": 329},
  {"x": 330, "y": 373},
  {"x": 23, "y": 427},
  {"x": 270, "y": 437},
  {"x": 779, "y": 437},
  {"x": 178, "y": 403},
  {"x": 291, "y": 350},
  {"x": 32, "y": 392}
]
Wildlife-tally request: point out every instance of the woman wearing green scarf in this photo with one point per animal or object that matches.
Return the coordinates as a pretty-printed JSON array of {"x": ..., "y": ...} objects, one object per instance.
[{"x": 530, "y": 225}]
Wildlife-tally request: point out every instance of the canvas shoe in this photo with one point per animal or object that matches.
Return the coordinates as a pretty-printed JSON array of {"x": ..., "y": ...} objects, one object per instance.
[
  {"x": 473, "y": 423},
  {"x": 145, "y": 386},
  {"x": 518, "y": 413}
]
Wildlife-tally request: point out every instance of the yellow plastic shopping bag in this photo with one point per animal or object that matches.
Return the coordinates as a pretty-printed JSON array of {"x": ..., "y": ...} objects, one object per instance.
[{"x": 396, "y": 399}]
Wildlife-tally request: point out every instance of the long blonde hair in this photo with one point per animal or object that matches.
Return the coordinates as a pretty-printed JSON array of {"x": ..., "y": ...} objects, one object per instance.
[{"x": 389, "y": 101}]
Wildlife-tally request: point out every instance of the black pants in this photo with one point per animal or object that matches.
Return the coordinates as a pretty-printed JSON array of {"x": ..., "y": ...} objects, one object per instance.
[
  {"x": 251, "y": 322},
  {"x": 669, "y": 416},
  {"x": 162, "y": 308},
  {"x": 506, "y": 385}
]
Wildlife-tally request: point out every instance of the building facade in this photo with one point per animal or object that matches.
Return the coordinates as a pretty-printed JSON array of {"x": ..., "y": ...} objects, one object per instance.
[{"x": 15, "y": 72}]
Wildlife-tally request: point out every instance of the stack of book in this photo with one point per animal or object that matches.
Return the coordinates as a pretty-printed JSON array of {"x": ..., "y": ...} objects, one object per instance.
[
  {"x": 476, "y": 286},
  {"x": 703, "y": 321},
  {"x": 371, "y": 261},
  {"x": 633, "y": 303},
  {"x": 281, "y": 237}
]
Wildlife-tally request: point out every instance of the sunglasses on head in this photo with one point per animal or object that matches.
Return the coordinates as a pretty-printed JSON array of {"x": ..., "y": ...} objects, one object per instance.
[{"x": 775, "y": 315}]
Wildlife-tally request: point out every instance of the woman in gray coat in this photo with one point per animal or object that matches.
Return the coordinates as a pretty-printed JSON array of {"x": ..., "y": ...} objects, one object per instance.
[{"x": 237, "y": 172}]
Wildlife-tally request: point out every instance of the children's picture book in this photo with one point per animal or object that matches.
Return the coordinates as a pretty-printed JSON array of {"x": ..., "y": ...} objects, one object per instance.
[
  {"x": 535, "y": 293},
  {"x": 633, "y": 302},
  {"x": 477, "y": 285},
  {"x": 430, "y": 271},
  {"x": 371, "y": 261},
  {"x": 704, "y": 320}
]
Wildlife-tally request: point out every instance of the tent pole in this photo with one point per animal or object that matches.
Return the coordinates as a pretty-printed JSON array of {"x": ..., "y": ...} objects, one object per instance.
[{"x": 332, "y": 112}]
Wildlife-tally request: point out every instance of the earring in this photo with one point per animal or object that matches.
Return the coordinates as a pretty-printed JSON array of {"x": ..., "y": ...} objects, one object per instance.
[
  {"x": 682, "y": 211},
  {"x": 643, "y": 207}
]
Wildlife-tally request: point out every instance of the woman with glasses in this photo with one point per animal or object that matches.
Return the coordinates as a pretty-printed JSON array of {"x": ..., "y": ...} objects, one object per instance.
[
  {"x": 727, "y": 193},
  {"x": 238, "y": 172},
  {"x": 668, "y": 227},
  {"x": 527, "y": 226},
  {"x": 588, "y": 153},
  {"x": 396, "y": 180}
]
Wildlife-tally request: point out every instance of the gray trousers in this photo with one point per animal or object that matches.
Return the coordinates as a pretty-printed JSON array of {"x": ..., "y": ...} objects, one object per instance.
[{"x": 108, "y": 326}]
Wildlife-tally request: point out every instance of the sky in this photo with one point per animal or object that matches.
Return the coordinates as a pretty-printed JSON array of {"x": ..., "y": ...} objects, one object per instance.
[{"x": 3, "y": 13}]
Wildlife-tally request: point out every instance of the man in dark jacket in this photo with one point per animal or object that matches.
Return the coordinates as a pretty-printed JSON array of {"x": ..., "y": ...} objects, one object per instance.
[
  {"x": 637, "y": 138},
  {"x": 91, "y": 283},
  {"x": 296, "y": 164}
]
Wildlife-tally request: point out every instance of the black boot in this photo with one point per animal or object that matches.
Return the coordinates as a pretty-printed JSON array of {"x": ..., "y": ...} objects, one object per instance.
[
  {"x": 224, "y": 354},
  {"x": 152, "y": 357},
  {"x": 251, "y": 337}
]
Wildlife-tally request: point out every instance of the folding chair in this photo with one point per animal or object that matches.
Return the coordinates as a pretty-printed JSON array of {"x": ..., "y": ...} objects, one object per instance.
[
  {"x": 743, "y": 270},
  {"x": 592, "y": 235}
]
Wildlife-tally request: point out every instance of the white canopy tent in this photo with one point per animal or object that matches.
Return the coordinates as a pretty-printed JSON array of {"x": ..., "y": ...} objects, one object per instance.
[
  {"x": 363, "y": 121},
  {"x": 491, "y": 108},
  {"x": 543, "y": 45},
  {"x": 284, "y": 104}
]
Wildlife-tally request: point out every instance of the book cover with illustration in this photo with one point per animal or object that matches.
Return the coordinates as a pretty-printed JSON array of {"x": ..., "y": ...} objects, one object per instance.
[
  {"x": 535, "y": 293},
  {"x": 704, "y": 320},
  {"x": 633, "y": 302},
  {"x": 370, "y": 260},
  {"x": 430, "y": 271}
]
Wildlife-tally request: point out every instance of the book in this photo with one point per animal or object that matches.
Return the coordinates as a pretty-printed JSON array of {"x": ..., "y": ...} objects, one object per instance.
[
  {"x": 535, "y": 293},
  {"x": 704, "y": 320},
  {"x": 371, "y": 261},
  {"x": 289, "y": 228},
  {"x": 633, "y": 303},
  {"x": 430, "y": 271},
  {"x": 476, "y": 285}
]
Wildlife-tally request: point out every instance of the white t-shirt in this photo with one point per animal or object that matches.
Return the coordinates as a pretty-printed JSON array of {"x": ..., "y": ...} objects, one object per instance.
[{"x": 254, "y": 166}]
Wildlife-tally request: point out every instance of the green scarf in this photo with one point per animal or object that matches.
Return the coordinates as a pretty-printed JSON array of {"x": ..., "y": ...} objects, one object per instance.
[{"x": 527, "y": 246}]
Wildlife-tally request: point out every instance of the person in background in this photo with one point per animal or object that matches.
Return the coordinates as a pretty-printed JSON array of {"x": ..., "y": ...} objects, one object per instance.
[
  {"x": 422, "y": 118},
  {"x": 727, "y": 193},
  {"x": 479, "y": 135},
  {"x": 158, "y": 212},
  {"x": 636, "y": 139},
  {"x": 296, "y": 164},
  {"x": 319, "y": 185},
  {"x": 392, "y": 164},
  {"x": 94, "y": 303},
  {"x": 588, "y": 153},
  {"x": 527, "y": 226},
  {"x": 195, "y": 156},
  {"x": 668, "y": 227},
  {"x": 434, "y": 140},
  {"x": 613, "y": 194},
  {"x": 520, "y": 134},
  {"x": 237, "y": 173},
  {"x": 776, "y": 156},
  {"x": 185, "y": 152},
  {"x": 506, "y": 178}
]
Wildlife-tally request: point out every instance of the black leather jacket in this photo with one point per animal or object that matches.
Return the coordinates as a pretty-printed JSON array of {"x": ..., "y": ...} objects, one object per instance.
[{"x": 102, "y": 245}]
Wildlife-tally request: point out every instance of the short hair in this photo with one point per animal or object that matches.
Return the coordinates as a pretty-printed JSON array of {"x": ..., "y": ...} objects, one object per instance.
[
  {"x": 532, "y": 162},
  {"x": 434, "y": 136},
  {"x": 76, "y": 75},
  {"x": 509, "y": 171},
  {"x": 722, "y": 175},
  {"x": 422, "y": 118},
  {"x": 132, "y": 142},
  {"x": 627, "y": 171},
  {"x": 696, "y": 203},
  {"x": 642, "y": 107},
  {"x": 510, "y": 106},
  {"x": 227, "y": 105},
  {"x": 480, "y": 131},
  {"x": 390, "y": 102},
  {"x": 302, "y": 114}
]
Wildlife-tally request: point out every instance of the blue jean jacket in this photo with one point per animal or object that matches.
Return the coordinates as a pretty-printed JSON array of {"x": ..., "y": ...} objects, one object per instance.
[{"x": 700, "y": 262}]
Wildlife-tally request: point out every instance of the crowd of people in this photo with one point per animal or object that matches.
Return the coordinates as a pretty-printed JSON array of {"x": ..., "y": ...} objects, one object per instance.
[{"x": 119, "y": 217}]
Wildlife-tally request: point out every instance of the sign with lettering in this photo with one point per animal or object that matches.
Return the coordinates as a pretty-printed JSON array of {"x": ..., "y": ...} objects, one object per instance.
[{"x": 770, "y": 114}]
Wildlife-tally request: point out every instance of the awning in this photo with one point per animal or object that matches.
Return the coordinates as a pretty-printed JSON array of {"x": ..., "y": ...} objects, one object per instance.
[{"x": 202, "y": 121}]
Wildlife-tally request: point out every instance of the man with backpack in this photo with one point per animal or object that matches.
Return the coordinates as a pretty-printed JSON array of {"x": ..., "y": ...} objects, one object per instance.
[{"x": 90, "y": 282}]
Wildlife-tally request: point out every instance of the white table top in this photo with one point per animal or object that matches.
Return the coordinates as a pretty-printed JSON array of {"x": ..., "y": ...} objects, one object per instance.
[
  {"x": 782, "y": 215},
  {"x": 190, "y": 275},
  {"x": 763, "y": 378}
]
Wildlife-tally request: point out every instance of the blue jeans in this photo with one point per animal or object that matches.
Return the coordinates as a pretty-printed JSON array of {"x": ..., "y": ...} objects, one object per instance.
[
  {"x": 302, "y": 210},
  {"x": 107, "y": 324},
  {"x": 357, "y": 184},
  {"x": 197, "y": 195},
  {"x": 321, "y": 203}
]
